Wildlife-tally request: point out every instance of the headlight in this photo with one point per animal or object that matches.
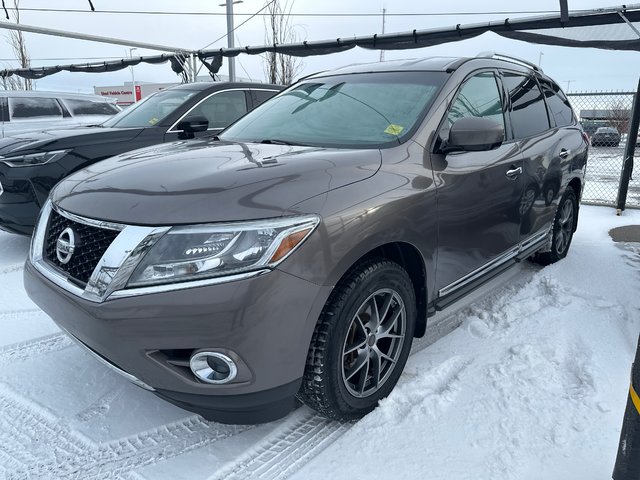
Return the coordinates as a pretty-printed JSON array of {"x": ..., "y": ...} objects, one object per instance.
[
  {"x": 205, "y": 251},
  {"x": 33, "y": 159}
]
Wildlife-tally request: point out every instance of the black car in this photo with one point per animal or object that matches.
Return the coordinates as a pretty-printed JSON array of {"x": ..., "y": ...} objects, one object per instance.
[
  {"x": 31, "y": 164},
  {"x": 605, "y": 137}
]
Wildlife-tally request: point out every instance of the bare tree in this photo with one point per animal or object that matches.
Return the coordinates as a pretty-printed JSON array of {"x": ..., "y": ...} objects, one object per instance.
[
  {"x": 619, "y": 116},
  {"x": 19, "y": 46},
  {"x": 280, "y": 69}
]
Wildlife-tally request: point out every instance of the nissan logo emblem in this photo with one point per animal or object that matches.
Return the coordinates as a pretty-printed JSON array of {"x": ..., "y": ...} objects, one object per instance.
[{"x": 66, "y": 245}]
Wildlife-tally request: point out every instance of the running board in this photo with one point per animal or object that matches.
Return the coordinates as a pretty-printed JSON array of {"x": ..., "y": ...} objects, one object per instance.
[{"x": 477, "y": 278}]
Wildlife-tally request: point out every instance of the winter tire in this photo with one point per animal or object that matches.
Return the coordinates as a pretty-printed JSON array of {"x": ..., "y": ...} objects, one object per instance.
[
  {"x": 361, "y": 342},
  {"x": 562, "y": 231}
]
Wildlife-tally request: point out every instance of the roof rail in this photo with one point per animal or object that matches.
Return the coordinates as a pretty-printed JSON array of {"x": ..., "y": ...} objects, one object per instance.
[{"x": 507, "y": 58}]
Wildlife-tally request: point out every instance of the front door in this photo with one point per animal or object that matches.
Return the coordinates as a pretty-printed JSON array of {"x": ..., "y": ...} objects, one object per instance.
[
  {"x": 221, "y": 109},
  {"x": 478, "y": 193}
]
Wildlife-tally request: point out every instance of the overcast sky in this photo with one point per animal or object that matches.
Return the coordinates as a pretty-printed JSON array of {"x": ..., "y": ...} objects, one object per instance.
[{"x": 580, "y": 69}]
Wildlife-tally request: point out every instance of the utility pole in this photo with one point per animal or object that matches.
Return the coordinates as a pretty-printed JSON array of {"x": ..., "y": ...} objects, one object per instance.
[
  {"x": 384, "y": 19},
  {"x": 133, "y": 78},
  {"x": 230, "y": 43}
]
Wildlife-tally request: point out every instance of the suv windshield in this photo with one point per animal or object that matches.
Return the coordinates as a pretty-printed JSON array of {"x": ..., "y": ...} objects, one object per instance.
[
  {"x": 151, "y": 110},
  {"x": 362, "y": 110}
]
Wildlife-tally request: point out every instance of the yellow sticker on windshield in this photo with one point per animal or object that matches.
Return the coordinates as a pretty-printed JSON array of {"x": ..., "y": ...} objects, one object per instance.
[
  {"x": 153, "y": 121},
  {"x": 394, "y": 130}
]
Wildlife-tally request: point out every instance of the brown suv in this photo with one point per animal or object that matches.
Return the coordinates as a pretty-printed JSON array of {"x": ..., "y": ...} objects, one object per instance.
[{"x": 299, "y": 253}]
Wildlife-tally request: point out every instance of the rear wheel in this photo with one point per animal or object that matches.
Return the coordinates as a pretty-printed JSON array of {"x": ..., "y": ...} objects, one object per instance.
[
  {"x": 361, "y": 342},
  {"x": 562, "y": 230}
]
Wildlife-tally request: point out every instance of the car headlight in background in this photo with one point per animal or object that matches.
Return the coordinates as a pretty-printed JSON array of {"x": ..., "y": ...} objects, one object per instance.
[
  {"x": 205, "y": 251},
  {"x": 34, "y": 158}
]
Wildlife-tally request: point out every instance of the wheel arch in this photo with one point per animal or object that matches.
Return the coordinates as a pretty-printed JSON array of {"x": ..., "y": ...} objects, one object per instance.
[{"x": 408, "y": 257}]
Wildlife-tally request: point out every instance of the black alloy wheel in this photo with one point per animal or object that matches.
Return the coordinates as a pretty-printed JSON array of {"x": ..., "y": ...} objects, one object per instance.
[
  {"x": 564, "y": 225},
  {"x": 361, "y": 341}
]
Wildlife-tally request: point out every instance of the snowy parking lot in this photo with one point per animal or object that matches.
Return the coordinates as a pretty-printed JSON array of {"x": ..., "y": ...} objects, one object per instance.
[
  {"x": 603, "y": 177},
  {"x": 525, "y": 379}
]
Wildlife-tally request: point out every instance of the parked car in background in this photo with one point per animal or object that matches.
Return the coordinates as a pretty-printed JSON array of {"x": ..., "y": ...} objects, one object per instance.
[
  {"x": 28, "y": 111},
  {"x": 605, "y": 137},
  {"x": 31, "y": 164},
  {"x": 300, "y": 252}
]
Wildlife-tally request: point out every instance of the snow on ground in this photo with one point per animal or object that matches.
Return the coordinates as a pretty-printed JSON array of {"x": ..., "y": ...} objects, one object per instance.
[{"x": 531, "y": 384}]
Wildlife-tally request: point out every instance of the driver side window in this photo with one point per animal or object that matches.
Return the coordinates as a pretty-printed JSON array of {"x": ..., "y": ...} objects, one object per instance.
[
  {"x": 222, "y": 109},
  {"x": 478, "y": 97}
]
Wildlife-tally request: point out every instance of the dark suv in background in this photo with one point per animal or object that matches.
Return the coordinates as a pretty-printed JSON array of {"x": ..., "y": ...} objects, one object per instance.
[
  {"x": 300, "y": 252},
  {"x": 32, "y": 163}
]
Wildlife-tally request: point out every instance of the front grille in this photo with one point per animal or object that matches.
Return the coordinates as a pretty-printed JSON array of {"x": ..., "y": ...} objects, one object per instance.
[{"x": 90, "y": 244}]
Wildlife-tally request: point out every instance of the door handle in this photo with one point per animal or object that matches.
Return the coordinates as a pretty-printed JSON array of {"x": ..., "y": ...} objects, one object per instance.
[
  {"x": 564, "y": 153},
  {"x": 514, "y": 172}
]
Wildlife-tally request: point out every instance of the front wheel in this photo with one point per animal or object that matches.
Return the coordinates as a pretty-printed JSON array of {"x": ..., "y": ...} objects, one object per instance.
[
  {"x": 562, "y": 230},
  {"x": 361, "y": 341}
]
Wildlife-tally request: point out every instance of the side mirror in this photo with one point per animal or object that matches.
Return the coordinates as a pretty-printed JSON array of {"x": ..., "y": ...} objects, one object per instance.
[
  {"x": 192, "y": 124},
  {"x": 474, "y": 134}
]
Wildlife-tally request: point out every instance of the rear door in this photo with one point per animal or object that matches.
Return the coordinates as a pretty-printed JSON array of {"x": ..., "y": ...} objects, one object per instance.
[
  {"x": 478, "y": 193},
  {"x": 542, "y": 129}
]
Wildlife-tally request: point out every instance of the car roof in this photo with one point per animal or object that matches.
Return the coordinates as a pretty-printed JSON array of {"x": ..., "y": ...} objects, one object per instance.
[
  {"x": 420, "y": 64},
  {"x": 47, "y": 94},
  {"x": 432, "y": 64}
]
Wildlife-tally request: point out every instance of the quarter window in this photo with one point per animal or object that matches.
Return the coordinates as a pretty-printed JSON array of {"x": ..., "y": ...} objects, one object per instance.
[
  {"x": 479, "y": 97},
  {"x": 22, "y": 108},
  {"x": 558, "y": 104},
  {"x": 528, "y": 111}
]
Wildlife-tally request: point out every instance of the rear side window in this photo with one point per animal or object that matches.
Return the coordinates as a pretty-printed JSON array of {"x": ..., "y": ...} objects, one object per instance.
[
  {"x": 528, "y": 111},
  {"x": 23, "y": 108},
  {"x": 558, "y": 104},
  {"x": 478, "y": 97},
  {"x": 87, "y": 107}
]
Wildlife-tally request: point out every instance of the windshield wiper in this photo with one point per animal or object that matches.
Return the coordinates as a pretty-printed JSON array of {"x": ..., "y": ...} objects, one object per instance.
[{"x": 276, "y": 141}]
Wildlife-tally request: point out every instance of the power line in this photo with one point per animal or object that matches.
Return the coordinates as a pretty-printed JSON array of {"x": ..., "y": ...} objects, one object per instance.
[
  {"x": 238, "y": 26},
  {"x": 61, "y": 59},
  {"x": 293, "y": 14}
]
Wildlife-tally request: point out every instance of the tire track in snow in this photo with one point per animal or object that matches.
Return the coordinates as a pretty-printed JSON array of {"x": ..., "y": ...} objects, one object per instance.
[
  {"x": 280, "y": 454},
  {"x": 305, "y": 434},
  {"x": 40, "y": 346},
  {"x": 32, "y": 435},
  {"x": 38, "y": 444},
  {"x": 122, "y": 456},
  {"x": 11, "y": 268}
]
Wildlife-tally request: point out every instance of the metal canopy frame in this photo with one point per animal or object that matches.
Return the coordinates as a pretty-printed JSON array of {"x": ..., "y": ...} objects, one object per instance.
[{"x": 529, "y": 29}]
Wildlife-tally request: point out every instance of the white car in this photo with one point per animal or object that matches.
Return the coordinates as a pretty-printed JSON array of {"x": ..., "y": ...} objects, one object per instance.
[{"x": 28, "y": 111}]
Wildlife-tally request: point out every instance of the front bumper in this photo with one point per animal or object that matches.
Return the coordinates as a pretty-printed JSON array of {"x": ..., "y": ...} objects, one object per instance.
[{"x": 266, "y": 322}]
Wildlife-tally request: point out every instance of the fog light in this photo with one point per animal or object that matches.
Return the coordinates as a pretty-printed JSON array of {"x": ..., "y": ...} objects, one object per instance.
[{"x": 213, "y": 367}]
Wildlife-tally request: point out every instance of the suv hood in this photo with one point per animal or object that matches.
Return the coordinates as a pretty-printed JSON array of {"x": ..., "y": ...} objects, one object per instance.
[
  {"x": 63, "y": 139},
  {"x": 209, "y": 181}
]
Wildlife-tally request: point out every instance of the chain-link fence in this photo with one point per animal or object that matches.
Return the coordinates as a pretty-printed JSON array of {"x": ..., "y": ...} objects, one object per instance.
[{"x": 605, "y": 117}]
